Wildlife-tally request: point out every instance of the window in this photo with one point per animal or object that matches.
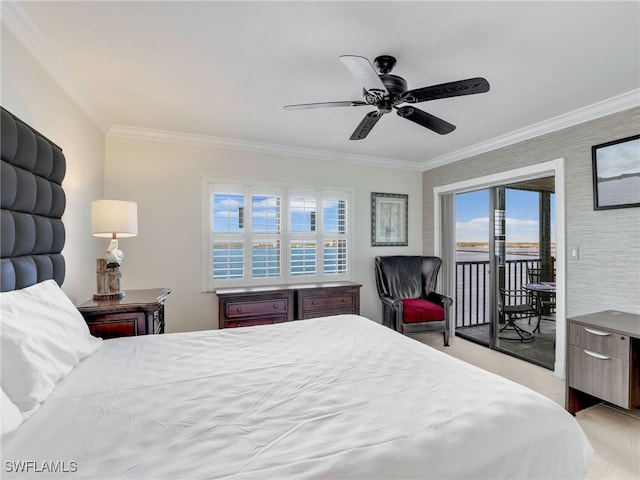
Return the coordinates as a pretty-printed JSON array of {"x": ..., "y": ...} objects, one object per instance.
[{"x": 261, "y": 235}]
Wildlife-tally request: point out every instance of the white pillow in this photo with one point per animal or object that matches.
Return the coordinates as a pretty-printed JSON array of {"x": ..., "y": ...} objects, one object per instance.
[
  {"x": 43, "y": 336},
  {"x": 11, "y": 416}
]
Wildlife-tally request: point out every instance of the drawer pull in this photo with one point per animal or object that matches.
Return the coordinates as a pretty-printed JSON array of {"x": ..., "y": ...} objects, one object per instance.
[
  {"x": 238, "y": 309},
  {"x": 597, "y": 332},
  {"x": 314, "y": 302},
  {"x": 596, "y": 355},
  {"x": 344, "y": 300},
  {"x": 275, "y": 306}
]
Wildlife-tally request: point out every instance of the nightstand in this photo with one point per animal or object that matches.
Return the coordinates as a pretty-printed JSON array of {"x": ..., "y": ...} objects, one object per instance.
[
  {"x": 139, "y": 312},
  {"x": 603, "y": 360}
]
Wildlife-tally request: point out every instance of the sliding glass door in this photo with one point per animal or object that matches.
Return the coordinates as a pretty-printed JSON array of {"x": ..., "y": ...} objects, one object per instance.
[{"x": 503, "y": 234}]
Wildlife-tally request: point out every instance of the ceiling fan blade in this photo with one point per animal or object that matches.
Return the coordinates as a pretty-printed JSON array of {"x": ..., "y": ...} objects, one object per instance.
[
  {"x": 367, "y": 123},
  {"x": 426, "y": 120},
  {"x": 305, "y": 106},
  {"x": 446, "y": 90},
  {"x": 362, "y": 69}
]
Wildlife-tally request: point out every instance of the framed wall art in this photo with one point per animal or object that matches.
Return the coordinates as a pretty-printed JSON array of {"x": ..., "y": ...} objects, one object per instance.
[
  {"x": 616, "y": 173},
  {"x": 389, "y": 219}
]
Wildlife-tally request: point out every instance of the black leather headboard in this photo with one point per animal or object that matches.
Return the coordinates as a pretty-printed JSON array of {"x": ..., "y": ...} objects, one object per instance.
[{"x": 33, "y": 202}]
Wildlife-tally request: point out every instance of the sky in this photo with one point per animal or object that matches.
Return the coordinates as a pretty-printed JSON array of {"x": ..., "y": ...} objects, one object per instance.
[{"x": 472, "y": 216}]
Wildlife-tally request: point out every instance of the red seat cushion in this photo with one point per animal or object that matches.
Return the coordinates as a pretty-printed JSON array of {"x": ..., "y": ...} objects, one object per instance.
[{"x": 421, "y": 310}]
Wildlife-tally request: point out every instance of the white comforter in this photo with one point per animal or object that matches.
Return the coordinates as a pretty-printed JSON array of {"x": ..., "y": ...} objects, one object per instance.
[{"x": 335, "y": 397}]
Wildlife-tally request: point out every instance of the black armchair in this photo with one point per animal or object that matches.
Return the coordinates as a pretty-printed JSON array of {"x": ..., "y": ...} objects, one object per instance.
[{"x": 406, "y": 286}]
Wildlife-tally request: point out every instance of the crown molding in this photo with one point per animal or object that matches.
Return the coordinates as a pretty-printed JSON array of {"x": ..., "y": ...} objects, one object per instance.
[
  {"x": 606, "y": 107},
  {"x": 18, "y": 22},
  {"x": 258, "y": 147}
]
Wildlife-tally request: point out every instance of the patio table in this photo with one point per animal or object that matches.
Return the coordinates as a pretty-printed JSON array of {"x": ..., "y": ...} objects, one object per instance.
[{"x": 544, "y": 292}]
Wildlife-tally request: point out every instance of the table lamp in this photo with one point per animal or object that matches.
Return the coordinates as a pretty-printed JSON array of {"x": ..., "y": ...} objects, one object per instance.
[{"x": 112, "y": 219}]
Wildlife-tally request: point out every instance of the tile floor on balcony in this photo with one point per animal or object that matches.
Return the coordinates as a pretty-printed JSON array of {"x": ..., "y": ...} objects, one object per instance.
[{"x": 540, "y": 350}]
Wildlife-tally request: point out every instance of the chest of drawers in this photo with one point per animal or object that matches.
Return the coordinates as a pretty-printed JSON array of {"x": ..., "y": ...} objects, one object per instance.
[
  {"x": 603, "y": 358},
  {"x": 248, "y": 306}
]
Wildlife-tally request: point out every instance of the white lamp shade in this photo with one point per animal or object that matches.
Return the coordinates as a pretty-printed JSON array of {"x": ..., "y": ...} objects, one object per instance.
[{"x": 114, "y": 216}]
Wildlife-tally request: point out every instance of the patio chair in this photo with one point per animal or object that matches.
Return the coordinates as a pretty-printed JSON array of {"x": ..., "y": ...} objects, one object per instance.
[
  {"x": 546, "y": 308},
  {"x": 545, "y": 302},
  {"x": 514, "y": 305},
  {"x": 534, "y": 275},
  {"x": 406, "y": 286}
]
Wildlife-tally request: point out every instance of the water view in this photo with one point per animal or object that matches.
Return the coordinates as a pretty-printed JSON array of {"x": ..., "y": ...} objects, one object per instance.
[
  {"x": 479, "y": 251},
  {"x": 228, "y": 262}
]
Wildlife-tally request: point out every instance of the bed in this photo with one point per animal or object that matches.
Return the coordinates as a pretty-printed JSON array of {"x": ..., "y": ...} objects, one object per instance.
[{"x": 332, "y": 398}]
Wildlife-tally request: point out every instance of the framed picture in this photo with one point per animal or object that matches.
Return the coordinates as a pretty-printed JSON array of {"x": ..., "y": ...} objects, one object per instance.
[
  {"x": 616, "y": 174},
  {"x": 389, "y": 218}
]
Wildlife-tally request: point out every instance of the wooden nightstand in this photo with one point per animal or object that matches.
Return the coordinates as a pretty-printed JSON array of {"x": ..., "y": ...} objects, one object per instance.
[{"x": 140, "y": 312}]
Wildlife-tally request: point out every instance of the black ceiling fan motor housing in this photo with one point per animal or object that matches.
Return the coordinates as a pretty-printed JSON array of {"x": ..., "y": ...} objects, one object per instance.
[
  {"x": 395, "y": 85},
  {"x": 385, "y": 63}
]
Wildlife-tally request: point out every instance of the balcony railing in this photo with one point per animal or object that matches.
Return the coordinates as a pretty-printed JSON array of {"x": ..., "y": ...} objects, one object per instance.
[{"x": 474, "y": 290}]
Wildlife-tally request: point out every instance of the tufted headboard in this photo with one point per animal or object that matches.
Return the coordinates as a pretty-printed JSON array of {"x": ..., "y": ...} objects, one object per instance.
[{"x": 33, "y": 202}]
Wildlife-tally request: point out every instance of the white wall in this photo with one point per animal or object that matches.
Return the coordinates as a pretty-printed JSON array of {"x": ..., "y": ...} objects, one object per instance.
[
  {"x": 30, "y": 93},
  {"x": 165, "y": 179}
]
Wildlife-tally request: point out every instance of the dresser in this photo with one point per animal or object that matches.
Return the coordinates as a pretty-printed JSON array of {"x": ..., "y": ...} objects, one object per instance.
[
  {"x": 248, "y": 306},
  {"x": 139, "y": 312},
  {"x": 603, "y": 359}
]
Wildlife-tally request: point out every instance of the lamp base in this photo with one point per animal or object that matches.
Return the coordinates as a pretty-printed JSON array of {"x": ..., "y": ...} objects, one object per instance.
[
  {"x": 108, "y": 296},
  {"x": 108, "y": 281}
]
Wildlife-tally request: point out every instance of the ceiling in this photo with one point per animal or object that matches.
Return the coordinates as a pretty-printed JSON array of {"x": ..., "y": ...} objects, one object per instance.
[{"x": 223, "y": 70}]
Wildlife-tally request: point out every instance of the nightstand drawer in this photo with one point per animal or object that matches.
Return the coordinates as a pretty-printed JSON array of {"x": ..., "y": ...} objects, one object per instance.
[
  {"x": 600, "y": 375},
  {"x": 113, "y": 329},
  {"x": 116, "y": 325},
  {"x": 247, "y": 309},
  {"x": 599, "y": 340}
]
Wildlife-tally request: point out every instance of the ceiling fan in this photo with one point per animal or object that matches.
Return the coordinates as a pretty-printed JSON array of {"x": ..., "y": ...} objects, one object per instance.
[{"x": 386, "y": 92}]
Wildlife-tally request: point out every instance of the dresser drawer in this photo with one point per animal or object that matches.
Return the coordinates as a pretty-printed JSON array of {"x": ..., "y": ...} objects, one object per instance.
[
  {"x": 325, "y": 301},
  {"x": 327, "y": 312},
  {"x": 252, "y": 322},
  {"x": 600, "y": 375},
  {"x": 599, "y": 340},
  {"x": 328, "y": 301},
  {"x": 248, "y": 309}
]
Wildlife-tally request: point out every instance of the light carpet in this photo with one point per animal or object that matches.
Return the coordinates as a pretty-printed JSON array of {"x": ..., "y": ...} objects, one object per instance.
[{"x": 613, "y": 432}]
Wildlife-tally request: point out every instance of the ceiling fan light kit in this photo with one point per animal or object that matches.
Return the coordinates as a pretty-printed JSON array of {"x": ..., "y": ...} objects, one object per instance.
[{"x": 386, "y": 92}]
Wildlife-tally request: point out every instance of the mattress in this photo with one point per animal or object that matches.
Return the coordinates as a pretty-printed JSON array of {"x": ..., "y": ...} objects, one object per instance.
[{"x": 334, "y": 397}]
